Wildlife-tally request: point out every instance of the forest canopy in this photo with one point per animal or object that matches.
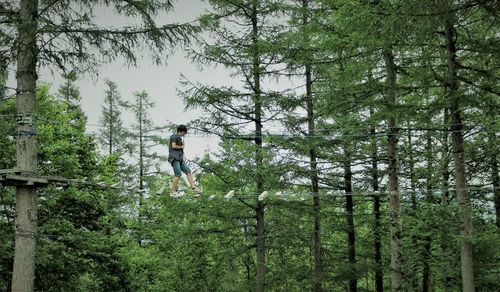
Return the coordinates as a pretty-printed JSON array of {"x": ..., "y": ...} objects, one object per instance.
[{"x": 357, "y": 149}]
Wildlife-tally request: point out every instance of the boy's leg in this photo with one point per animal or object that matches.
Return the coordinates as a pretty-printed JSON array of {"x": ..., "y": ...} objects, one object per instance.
[
  {"x": 177, "y": 175},
  {"x": 175, "y": 182},
  {"x": 189, "y": 176},
  {"x": 190, "y": 180}
]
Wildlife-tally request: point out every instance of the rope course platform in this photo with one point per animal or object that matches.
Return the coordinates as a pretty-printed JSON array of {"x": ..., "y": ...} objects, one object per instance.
[{"x": 15, "y": 177}]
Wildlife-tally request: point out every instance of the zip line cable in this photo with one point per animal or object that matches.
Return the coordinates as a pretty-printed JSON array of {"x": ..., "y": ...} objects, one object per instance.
[
  {"x": 199, "y": 133},
  {"x": 326, "y": 213},
  {"x": 336, "y": 136},
  {"x": 257, "y": 195},
  {"x": 339, "y": 193},
  {"x": 305, "y": 222},
  {"x": 287, "y": 194}
]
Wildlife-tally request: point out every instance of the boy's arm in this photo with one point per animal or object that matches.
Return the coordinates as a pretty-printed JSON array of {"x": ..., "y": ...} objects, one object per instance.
[{"x": 175, "y": 146}]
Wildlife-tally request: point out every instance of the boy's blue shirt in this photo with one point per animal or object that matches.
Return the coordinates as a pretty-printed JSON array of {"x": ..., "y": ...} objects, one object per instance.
[{"x": 175, "y": 154}]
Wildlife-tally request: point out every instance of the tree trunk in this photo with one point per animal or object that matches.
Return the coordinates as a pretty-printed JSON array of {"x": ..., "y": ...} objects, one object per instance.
[
  {"x": 259, "y": 179},
  {"x": 411, "y": 167},
  {"x": 141, "y": 156},
  {"x": 111, "y": 119},
  {"x": 448, "y": 278},
  {"x": 496, "y": 185},
  {"x": 261, "y": 251},
  {"x": 414, "y": 205},
  {"x": 318, "y": 266},
  {"x": 318, "y": 286},
  {"x": 446, "y": 158},
  {"x": 495, "y": 179},
  {"x": 23, "y": 275},
  {"x": 3, "y": 77},
  {"x": 459, "y": 161},
  {"x": 349, "y": 208},
  {"x": 426, "y": 270},
  {"x": 393, "y": 171},
  {"x": 248, "y": 260},
  {"x": 379, "y": 273}
]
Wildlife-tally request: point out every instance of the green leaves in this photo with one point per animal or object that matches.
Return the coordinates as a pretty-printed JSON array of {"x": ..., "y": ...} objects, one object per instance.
[{"x": 102, "y": 240}]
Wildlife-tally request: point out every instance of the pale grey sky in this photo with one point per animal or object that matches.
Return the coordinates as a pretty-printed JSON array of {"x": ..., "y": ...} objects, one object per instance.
[{"x": 159, "y": 81}]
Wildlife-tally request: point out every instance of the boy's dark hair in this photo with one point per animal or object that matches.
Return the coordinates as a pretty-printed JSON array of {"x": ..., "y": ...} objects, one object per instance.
[{"x": 182, "y": 128}]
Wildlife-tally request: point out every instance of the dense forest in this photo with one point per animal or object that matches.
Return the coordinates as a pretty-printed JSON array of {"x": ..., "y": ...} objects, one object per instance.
[{"x": 357, "y": 150}]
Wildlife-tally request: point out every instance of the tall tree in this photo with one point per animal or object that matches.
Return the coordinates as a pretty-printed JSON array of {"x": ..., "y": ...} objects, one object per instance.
[
  {"x": 70, "y": 93},
  {"x": 427, "y": 253},
  {"x": 311, "y": 132},
  {"x": 459, "y": 153},
  {"x": 379, "y": 274},
  {"x": 393, "y": 171},
  {"x": 294, "y": 44},
  {"x": 254, "y": 9},
  {"x": 369, "y": 57},
  {"x": 239, "y": 31},
  {"x": 112, "y": 134},
  {"x": 142, "y": 131},
  {"x": 445, "y": 167},
  {"x": 460, "y": 79},
  {"x": 495, "y": 178}
]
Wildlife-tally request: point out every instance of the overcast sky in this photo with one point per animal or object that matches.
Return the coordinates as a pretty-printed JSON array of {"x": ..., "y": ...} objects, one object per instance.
[{"x": 160, "y": 82}]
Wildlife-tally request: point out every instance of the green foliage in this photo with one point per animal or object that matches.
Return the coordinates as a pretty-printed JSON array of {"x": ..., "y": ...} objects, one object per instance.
[
  {"x": 101, "y": 240},
  {"x": 142, "y": 140},
  {"x": 75, "y": 246},
  {"x": 113, "y": 134},
  {"x": 74, "y": 223}
]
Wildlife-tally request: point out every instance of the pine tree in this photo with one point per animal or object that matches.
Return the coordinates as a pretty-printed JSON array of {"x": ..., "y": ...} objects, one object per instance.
[
  {"x": 374, "y": 179},
  {"x": 239, "y": 32},
  {"x": 142, "y": 132},
  {"x": 69, "y": 92},
  {"x": 462, "y": 26},
  {"x": 112, "y": 132},
  {"x": 75, "y": 224},
  {"x": 313, "y": 156},
  {"x": 293, "y": 44}
]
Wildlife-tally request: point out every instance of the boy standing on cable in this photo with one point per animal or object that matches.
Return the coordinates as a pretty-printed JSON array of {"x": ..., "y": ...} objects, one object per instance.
[{"x": 176, "y": 159}]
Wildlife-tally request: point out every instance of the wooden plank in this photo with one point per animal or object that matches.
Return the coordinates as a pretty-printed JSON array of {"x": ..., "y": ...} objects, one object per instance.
[
  {"x": 30, "y": 179},
  {"x": 15, "y": 177},
  {"x": 60, "y": 181}
]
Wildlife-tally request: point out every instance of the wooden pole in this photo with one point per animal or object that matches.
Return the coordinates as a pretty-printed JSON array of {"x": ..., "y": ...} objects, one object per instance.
[{"x": 23, "y": 275}]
